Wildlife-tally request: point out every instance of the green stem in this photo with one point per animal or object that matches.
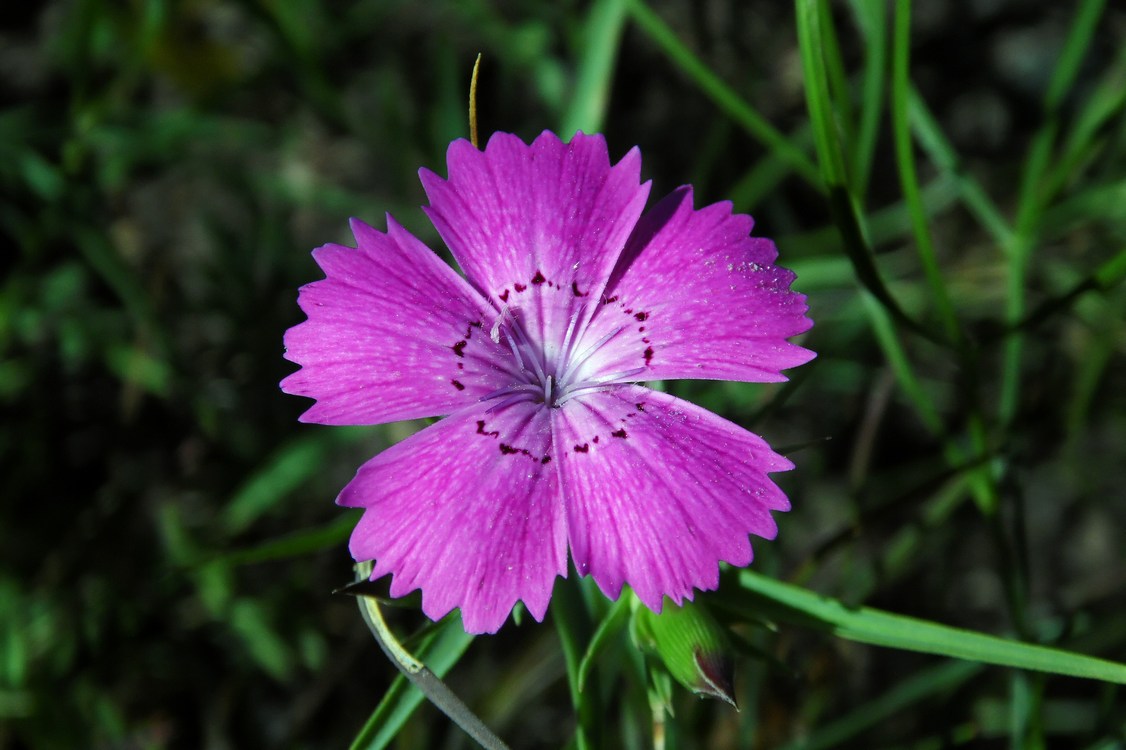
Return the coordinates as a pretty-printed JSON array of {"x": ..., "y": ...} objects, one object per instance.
[
  {"x": 908, "y": 178},
  {"x": 444, "y": 699},
  {"x": 573, "y": 623}
]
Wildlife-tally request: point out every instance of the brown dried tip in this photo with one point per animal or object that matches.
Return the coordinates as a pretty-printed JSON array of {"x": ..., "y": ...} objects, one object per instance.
[{"x": 717, "y": 677}]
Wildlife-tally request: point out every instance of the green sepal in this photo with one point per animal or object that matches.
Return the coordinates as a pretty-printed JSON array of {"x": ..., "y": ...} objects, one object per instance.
[{"x": 693, "y": 646}]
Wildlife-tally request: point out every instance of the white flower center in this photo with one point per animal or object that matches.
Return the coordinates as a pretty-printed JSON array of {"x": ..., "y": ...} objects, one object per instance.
[{"x": 549, "y": 373}]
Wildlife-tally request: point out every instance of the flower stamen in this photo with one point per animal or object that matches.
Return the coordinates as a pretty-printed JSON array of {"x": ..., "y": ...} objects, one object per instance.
[{"x": 574, "y": 364}]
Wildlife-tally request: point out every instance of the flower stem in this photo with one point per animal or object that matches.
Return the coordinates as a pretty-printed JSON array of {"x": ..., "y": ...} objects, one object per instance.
[
  {"x": 573, "y": 621},
  {"x": 436, "y": 691}
]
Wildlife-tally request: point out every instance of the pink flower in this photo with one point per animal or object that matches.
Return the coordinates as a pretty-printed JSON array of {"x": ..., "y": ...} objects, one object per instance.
[{"x": 570, "y": 297}]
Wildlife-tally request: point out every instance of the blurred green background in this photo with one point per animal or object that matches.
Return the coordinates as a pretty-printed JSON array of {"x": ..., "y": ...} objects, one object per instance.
[{"x": 169, "y": 538}]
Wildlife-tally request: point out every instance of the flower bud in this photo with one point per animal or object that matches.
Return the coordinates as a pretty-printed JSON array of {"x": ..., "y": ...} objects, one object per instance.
[{"x": 693, "y": 646}]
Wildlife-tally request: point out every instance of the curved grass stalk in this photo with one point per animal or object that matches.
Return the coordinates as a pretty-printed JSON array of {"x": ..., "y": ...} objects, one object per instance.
[{"x": 436, "y": 691}]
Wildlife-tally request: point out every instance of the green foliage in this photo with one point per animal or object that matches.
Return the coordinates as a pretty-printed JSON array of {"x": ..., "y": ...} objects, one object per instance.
[
  {"x": 948, "y": 181},
  {"x": 691, "y": 645}
]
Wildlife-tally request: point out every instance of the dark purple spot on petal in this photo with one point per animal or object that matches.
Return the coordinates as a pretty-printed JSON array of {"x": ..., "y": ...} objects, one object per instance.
[
  {"x": 648, "y": 358},
  {"x": 641, "y": 329},
  {"x": 519, "y": 287},
  {"x": 608, "y": 300},
  {"x": 545, "y": 459},
  {"x": 619, "y": 433},
  {"x": 539, "y": 278},
  {"x": 641, "y": 406},
  {"x": 575, "y": 289},
  {"x": 641, "y": 316},
  {"x": 459, "y": 348},
  {"x": 512, "y": 450},
  {"x": 504, "y": 296},
  {"x": 644, "y": 340},
  {"x": 595, "y": 441},
  {"x": 457, "y": 384},
  {"x": 584, "y": 448},
  {"x": 481, "y": 429},
  {"x": 461, "y": 365},
  {"x": 628, "y": 310}
]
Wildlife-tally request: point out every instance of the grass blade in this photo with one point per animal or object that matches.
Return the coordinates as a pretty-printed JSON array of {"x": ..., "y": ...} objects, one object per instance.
[
  {"x": 1104, "y": 104},
  {"x": 1032, "y": 200},
  {"x": 293, "y": 545},
  {"x": 291, "y": 465},
  {"x": 871, "y": 16},
  {"x": 842, "y": 201},
  {"x": 798, "y": 606},
  {"x": 603, "y": 33},
  {"x": 938, "y": 149},
  {"x": 722, "y": 94},
  {"x": 1074, "y": 50},
  {"x": 908, "y": 177}
]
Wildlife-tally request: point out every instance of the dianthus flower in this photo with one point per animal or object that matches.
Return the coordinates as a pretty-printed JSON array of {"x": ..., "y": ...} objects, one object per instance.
[{"x": 570, "y": 298}]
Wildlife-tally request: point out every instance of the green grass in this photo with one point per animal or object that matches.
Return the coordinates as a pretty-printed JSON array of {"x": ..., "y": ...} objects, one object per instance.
[{"x": 952, "y": 572}]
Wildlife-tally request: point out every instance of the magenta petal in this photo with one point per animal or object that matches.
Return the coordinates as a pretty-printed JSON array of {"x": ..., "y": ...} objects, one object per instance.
[
  {"x": 550, "y": 215},
  {"x": 695, "y": 296},
  {"x": 467, "y": 510},
  {"x": 393, "y": 333},
  {"x": 658, "y": 491}
]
